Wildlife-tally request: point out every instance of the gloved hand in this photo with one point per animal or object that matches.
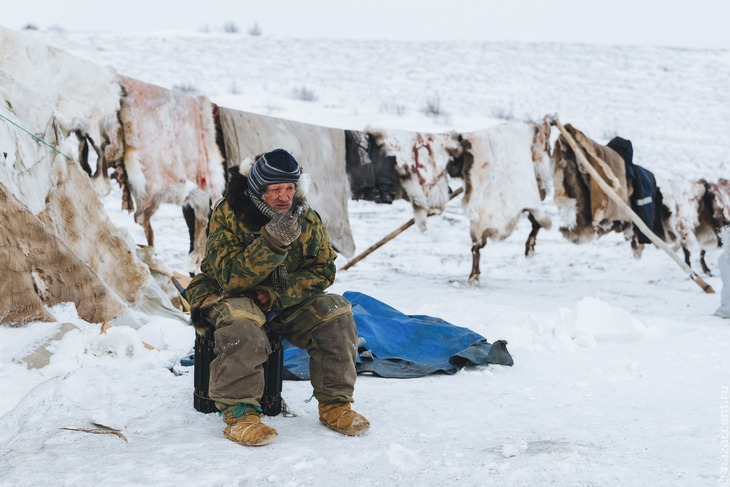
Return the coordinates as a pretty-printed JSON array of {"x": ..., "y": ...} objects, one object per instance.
[{"x": 283, "y": 229}]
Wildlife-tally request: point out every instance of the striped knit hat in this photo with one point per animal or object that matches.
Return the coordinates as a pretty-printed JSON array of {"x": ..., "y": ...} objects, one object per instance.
[{"x": 277, "y": 166}]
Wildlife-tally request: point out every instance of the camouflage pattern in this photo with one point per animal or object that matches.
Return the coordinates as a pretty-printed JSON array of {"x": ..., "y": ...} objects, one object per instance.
[{"x": 239, "y": 261}]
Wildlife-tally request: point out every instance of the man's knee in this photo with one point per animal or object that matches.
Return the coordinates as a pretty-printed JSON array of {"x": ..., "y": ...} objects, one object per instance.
[
  {"x": 314, "y": 312},
  {"x": 234, "y": 310},
  {"x": 341, "y": 326},
  {"x": 241, "y": 335}
]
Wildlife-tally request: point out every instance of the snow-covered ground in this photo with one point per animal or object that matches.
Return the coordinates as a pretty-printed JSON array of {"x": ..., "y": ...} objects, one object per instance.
[{"x": 621, "y": 369}]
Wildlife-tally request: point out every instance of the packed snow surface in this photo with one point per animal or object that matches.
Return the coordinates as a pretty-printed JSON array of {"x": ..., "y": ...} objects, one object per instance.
[{"x": 621, "y": 369}]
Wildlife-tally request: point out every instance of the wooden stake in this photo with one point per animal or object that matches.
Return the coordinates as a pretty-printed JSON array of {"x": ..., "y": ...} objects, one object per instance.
[
  {"x": 390, "y": 236},
  {"x": 175, "y": 278},
  {"x": 581, "y": 158}
]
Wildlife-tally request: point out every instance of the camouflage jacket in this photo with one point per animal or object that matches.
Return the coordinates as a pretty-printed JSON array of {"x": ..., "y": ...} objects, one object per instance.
[{"x": 239, "y": 260}]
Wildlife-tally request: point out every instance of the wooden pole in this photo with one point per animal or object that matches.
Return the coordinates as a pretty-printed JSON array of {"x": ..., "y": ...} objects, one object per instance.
[
  {"x": 183, "y": 302},
  {"x": 580, "y": 157},
  {"x": 390, "y": 236}
]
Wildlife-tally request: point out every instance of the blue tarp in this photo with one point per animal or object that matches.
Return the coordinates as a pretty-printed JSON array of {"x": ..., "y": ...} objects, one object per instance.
[{"x": 401, "y": 346}]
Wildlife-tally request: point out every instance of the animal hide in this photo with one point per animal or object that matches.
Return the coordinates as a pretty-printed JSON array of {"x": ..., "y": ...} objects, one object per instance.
[
  {"x": 169, "y": 145},
  {"x": 170, "y": 151},
  {"x": 59, "y": 243},
  {"x": 693, "y": 213},
  {"x": 587, "y": 211},
  {"x": 720, "y": 202},
  {"x": 501, "y": 168},
  {"x": 421, "y": 161},
  {"x": 25, "y": 170},
  {"x": 76, "y": 215},
  {"x": 319, "y": 150},
  {"x": 683, "y": 199},
  {"x": 84, "y": 96},
  {"x": 603, "y": 208},
  {"x": 40, "y": 270}
]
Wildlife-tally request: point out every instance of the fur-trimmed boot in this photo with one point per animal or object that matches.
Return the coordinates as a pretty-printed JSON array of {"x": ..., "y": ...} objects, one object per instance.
[
  {"x": 340, "y": 417},
  {"x": 245, "y": 426}
]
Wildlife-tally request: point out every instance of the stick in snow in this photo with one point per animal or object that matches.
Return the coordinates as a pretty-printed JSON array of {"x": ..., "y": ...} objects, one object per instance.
[{"x": 99, "y": 430}]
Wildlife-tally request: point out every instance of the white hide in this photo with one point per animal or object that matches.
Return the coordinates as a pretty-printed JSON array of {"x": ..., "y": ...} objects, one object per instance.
[
  {"x": 502, "y": 182},
  {"x": 200, "y": 202},
  {"x": 421, "y": 163},
  {"x": 25, "y": 171},
  {"x": 319, "y": 150},
  {"x": 84, "y": 96},
  {"x": 170, "y": 150},
  {"x": 67, "y": 217},
  {"x": 682, "y": 198}
]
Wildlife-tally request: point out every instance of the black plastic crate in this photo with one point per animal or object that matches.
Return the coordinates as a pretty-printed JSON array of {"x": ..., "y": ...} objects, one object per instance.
[{"x": 271, "y": 402}]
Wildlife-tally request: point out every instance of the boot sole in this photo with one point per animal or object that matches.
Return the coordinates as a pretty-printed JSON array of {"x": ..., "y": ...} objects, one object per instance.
[{"x": 355, "y": 431}]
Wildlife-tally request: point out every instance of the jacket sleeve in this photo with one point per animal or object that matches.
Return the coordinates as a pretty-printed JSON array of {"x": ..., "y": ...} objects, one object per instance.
[
  {"x": 238, "y": 267},
  {"x": 316, "y": 272}
]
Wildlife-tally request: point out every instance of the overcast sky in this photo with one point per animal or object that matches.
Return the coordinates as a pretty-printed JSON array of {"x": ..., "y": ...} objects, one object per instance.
[{"x": 681, "y": 23}]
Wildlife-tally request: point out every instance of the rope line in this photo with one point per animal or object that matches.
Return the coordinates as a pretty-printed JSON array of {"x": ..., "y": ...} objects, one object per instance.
[{"x": 38, "y": 139}]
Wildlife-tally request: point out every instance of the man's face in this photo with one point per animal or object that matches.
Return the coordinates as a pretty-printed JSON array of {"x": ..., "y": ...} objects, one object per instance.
[{"x": 279, "y": 197}]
